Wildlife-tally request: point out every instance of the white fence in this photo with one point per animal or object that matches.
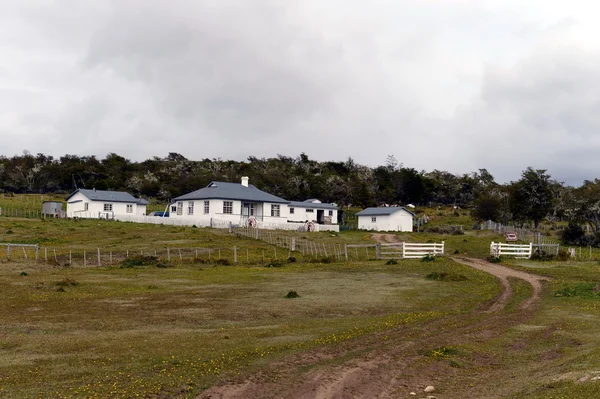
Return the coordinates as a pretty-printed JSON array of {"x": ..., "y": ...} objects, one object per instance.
[
  {"x": 409, "y": 250},
  {"x": 521, "y": 251}
]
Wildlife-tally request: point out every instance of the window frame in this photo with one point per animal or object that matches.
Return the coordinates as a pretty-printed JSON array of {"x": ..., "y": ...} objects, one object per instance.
[
  {"x": 179, "y": 208},
  {"x": 275, "y": 210},
  {"x": 373, "y": 219},
  {"x": 190, "y": 208},
  {"x": 206, "y": 207},
  {"x": 310, "y": 210},
  {"x": 129, "y": 208},
  {"x": 108, "y": 207},
  {"x": 291, "y": 211},
  {"x": 228, "y": 207}
]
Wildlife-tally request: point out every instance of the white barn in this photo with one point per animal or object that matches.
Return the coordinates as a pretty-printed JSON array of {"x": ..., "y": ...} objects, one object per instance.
[
  {"x": 313, "y": 210},
  {"x": 96, "y": 204},
  {"x": 386, "y": 219}
]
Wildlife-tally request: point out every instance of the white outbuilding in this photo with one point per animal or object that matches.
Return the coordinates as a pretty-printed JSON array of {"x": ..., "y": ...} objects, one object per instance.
[
  {"x": 101, "y": 204},
  {"x": 394, "y": 218}
]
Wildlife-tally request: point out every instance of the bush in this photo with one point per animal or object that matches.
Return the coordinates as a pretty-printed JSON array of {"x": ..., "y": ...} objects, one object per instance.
[
  {"x": 563, "y": 255},
  {"x": 573, "y": 234},
  {"x": 445, "y": 276},
  {"x": 275, "y": 263},
  {"x": 24, "y": 274},
  {"x": 542, "y": 256},
  {"x": 291, "y": 259},
  {"x": 223, "y": 262},
  {"x": 456, "y": 252},
  {"x": 140, "y": 261},
  {"x": 443, "y": 229},
  {"x": 324, "y": 259},
  {"x": 428, "y": 258},
  {"x": 66, "y": 282},
  {"x": 292, "y": 294},
  {"x": 494, "y": 259},
  {"x": 391, "y": 262},
  {"x": 579, "y": 290}
]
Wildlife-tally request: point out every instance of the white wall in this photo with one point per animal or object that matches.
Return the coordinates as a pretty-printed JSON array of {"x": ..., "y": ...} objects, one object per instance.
[
  {"x": 398, "y": 221},
  {"x": 96, "y": 208},
  {"x": 262, "y": 212},
  {"x": 301, "y": 215}
]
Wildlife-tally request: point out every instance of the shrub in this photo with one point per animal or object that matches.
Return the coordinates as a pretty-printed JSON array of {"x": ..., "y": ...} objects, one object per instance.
[
  {"x": 456, "y": 252},
  {"x": 573, "y": 234},
  {"x": 541, "y": 255},
  {"x": 291, "y": 259},
  {"x": 199, "y": 260},
  {"x": 324, "y": 259},
  {"x": 494, "y": 259},
  {"x": 66, "y": 282},
  {"x": 445, "y": 276},
  {"x": 292, "y": 294},
  {"x": 579, "y": 290},
  {"x": 428, "y": 258},
  {"x": 223, "y": 262},
  {"x": 563, "y": 255},
  {"x": 275, "y": 264},
  {"x": 24, "y": 274},
  {"x": 139, "y": 261},
  {"x": 391, "y": 262}
]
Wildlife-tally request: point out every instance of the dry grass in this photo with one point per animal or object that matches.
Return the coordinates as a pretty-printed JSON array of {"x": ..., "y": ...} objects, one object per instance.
[{"x": 137, "y": 332}]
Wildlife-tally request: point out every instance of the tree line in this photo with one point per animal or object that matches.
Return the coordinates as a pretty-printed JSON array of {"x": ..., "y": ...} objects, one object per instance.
[{"x": 531, "y": 199}]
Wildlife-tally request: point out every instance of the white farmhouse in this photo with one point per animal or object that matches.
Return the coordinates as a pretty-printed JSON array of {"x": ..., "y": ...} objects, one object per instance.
[
  {"x": 96, "y": 204},
  {"x": 386, "y": 219},
  {"x": 232, "y": 203},
  {"x": 313, "y": 210}
]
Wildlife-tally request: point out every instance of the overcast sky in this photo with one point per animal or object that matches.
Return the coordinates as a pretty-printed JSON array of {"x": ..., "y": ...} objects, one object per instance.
[{"x": 456, "y": 85}]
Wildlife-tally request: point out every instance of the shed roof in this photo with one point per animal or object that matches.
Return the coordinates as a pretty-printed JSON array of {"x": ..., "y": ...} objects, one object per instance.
[
  {"x": 109, "y": 196},
  {"x": 311, "y": 205},
  {"x": 383, "y": 211},
  {"x": 231, "y": 191}
]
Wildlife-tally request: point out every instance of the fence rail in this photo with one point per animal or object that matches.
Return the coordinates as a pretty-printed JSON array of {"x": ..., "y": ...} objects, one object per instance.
[
  {"x": 521, "y": 251},
  {"x": 409, "y": 250}
]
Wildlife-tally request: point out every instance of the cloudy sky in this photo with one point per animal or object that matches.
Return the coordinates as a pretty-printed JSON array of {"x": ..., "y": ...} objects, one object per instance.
[{"x": 441, "y": 84}]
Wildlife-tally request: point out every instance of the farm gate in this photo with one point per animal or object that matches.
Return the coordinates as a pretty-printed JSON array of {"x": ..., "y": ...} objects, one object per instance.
[
  {"x": 521, "y": 251},
  {"x": 408, "y": 250}
]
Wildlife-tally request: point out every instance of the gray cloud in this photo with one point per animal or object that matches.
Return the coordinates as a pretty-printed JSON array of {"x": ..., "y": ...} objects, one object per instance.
[{"x": 442, "y": 85}]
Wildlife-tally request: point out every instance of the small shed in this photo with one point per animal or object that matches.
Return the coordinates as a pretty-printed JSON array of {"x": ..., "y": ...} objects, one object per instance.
[
  {"x": 52, "y": 208},
  {"x": 393, "y": 218}
]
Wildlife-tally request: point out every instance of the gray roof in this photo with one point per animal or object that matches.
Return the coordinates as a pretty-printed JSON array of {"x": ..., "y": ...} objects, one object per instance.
[
  {"x": 231, "y": 191},
  {"x": 109, "y": 196},
  {"x": 311, "y": 205},
  {"x": 383, "y": 211}
]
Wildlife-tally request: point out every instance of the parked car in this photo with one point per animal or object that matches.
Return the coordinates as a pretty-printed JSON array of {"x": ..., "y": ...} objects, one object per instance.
[{"x": 160, "y": 214}]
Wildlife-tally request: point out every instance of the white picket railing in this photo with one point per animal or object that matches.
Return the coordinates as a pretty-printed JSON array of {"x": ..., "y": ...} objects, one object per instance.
[
  {"x": 409, "y": 250},
  {"x": 521, "y": 251}
]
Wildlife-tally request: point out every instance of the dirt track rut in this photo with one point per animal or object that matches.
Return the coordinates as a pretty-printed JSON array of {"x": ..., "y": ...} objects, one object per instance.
[{"x": 375, "y": 370}]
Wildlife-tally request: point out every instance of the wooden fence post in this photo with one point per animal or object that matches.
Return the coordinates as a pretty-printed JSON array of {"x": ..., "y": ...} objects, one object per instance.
[
  {"x": 99, "y": 264},
  {"x": 8, "y": 251},
  {"x": 378, "y": 250},
  {"x": 346, "y": 251},
  {"x": 37, "y": 249},
  {"x": 403, "y": 250},
  {"x": 234, "y": 254}
]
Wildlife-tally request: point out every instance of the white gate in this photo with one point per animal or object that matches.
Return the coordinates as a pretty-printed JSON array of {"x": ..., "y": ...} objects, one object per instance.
[
  {"x": 409, "y": 250},
  {"x": 521, "y": 251}
]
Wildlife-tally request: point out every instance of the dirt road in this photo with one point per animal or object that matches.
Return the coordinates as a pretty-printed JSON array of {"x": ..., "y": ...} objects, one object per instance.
[{"x": 387, "y": 365}]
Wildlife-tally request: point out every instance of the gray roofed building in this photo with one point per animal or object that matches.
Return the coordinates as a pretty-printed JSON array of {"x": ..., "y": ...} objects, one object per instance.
[
  {"x": 311, "y": 205},
  {"x": 382, "y": 211},
  {"x": 232, "y": 191},
  {"x": 108, "y": 196}
]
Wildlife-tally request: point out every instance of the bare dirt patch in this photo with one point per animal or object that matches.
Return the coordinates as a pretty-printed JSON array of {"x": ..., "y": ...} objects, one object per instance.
[{"x": 385, "y": 238}]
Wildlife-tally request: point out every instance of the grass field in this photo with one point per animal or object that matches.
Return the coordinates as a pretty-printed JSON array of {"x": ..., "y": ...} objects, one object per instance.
[{"x": 146, "y": 331}]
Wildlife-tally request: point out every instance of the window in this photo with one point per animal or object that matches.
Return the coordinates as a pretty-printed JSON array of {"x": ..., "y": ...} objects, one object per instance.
[
  {"x": 129, "y": 208},
  {"x": 251, "y": 209},
  {"x": 180, "y": 208},
  {"x": 173, "y": 209},
  {"x": 206, "y": 207},
  {"x": 86, "y": 206},
  {"x": 310, "y": 211},
  {"x": 107, "y": 207},
  {"x": 291, "y": 211},
  {"x": 228, "y": 207},
  {"x": 275, "y": 211},
  {"x": 373, "y": 219},
  {"x": 330, "y": 213},
  {"x": 190, "y": 207}
]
